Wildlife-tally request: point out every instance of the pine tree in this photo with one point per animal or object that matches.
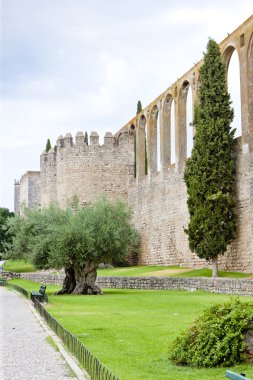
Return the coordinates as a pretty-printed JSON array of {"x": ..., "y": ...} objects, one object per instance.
[
  {"x": 86, "y": 138},
  {"x": 48, "y": 146},
  {"x": 139, "y": 107},
  {"x": 210, "y": 172}
]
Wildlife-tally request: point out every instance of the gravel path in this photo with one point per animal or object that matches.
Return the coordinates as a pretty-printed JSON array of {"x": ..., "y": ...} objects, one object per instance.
[{"x": 24, "y": 352}]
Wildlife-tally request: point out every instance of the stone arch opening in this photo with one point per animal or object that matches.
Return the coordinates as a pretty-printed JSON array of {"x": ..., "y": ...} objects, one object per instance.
[
  {"x": 183, "y": 121},
  {"x": 152, "y": 139},
  {"x": 189, "y": 120},
  {"x": 231, "y": 61},
  {"x": 132, "y": 146},
  {"x": 250, "y": 81},
  {"x": 227, "y": 54},
  {"x": 131, "y": 129},
  {"x": 172, "y": 134},
  {"x": 166, "y": 131},
  {"x": 158, "y": 143},
  {"x": 141, "y": 147}
]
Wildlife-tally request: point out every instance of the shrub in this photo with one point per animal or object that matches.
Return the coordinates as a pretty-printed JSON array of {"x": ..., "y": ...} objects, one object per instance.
[{"x": 216, "y": 338}]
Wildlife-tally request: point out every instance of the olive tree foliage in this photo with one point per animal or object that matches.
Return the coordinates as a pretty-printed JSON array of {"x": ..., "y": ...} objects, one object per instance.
[
  {"x": 210, "y": 171},
  {"x": 99, "y": 233},
  {"x": 32, "y": 234},
  {"x": 77, "y": 240},
  {"x": 5, "y": 236}
]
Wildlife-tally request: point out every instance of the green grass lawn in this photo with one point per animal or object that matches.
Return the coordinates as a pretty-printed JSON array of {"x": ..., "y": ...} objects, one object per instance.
[
  {"x": 130, "y": 330},
  {"x": 166, "y": 271},
  {"x": 30, "y": 285},
  {"x": 136, "y": 270},
  {"x": 19, "y": 266},
  {"x": 148, "y": 270},
  {"x": 208, "y": 273}
]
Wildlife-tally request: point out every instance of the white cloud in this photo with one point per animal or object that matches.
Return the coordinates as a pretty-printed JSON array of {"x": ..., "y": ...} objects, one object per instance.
[{"x": 116, "y": 81}]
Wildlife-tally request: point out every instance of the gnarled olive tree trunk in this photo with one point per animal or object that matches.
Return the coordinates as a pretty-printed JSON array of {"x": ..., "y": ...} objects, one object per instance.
[
  {"x": 69, "y": 282},
  {"x": 81, "y": 280},
  {"x": 86, "y": 278}
]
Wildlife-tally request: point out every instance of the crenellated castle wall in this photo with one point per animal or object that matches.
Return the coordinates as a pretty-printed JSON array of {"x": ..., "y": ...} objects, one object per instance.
[{"x": 86, "y": 171}]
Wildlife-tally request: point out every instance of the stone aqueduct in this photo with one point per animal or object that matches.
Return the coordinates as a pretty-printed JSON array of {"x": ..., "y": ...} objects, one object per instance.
[
  {"x": 159, "y": 198},
  {"x": 240, "y": 40}
]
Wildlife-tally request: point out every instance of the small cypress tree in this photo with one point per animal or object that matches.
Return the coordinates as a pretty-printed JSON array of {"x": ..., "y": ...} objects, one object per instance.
[
  {"x": 86, "y": 138},
  {"x": 210, "y": 172},
  {"x": 48, "y": 146},
  {"x": 139, "y": 107}
]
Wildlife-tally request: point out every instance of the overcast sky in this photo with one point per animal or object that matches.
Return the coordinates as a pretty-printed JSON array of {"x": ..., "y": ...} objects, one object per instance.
[{"x": 70, "y": 65}]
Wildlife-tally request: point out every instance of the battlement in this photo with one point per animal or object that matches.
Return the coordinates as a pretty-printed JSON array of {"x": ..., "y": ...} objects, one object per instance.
[
  {"x": 85, "y": 169},
  {"x": 68, "y": 141},
  {"x": 30, "y": 174},
  {"x": 68, "y": 145}
]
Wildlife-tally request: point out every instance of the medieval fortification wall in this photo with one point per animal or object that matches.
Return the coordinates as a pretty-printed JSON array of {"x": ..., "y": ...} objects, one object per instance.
[
  {"x": 158, "y": 198},
  {"x": 86, "y": 171}
]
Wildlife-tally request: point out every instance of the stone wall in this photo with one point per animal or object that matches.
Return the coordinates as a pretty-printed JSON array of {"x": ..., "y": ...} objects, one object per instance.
[
  {"x": 160, "y": 214},
  {"x": 45, "y": 278},
  {"x": 86, "y": 171},
  {"x": 29, "y": 189},
  {"x": 218, "y": 285},
  {"x": 16, "y": 197},
  {"x": 6, "y": 275}
]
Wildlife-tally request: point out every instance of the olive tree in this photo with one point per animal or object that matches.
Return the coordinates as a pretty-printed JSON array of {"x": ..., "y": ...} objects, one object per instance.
[
  {"x": 99, "y": 233},
  {"x": 78, "y": 240}
]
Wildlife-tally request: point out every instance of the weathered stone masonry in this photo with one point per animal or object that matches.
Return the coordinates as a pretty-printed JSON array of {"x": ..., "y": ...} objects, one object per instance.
[
  {"x": 218, "y": 285},
  {"x": 87, "y": 171},
  {"x": 159, "y": 198},
  {"x": 27, "y": 191}
]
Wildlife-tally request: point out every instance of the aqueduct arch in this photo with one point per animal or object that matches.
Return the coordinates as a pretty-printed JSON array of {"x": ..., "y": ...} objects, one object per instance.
[
  {"x": 152, "y": 140},
  {"x": 240, "y": 40},
  {"x": 230, "y": 54},
  {"x": 166, "y": 131},
  {"x": 182, "y": 120},
  {"x": 141, "y": 147},
  {"x": 250, "y": 82}
]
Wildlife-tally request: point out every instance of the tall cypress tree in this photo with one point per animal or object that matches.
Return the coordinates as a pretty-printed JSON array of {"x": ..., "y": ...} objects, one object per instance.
[
  {"x": 210, "y": 172},
  {"x": 48, "y": 146},
  {"x": 139, "y": 107}
]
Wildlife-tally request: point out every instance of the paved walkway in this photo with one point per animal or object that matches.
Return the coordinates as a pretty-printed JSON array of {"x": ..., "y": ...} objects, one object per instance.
[{"x": 24, "y": 351}]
